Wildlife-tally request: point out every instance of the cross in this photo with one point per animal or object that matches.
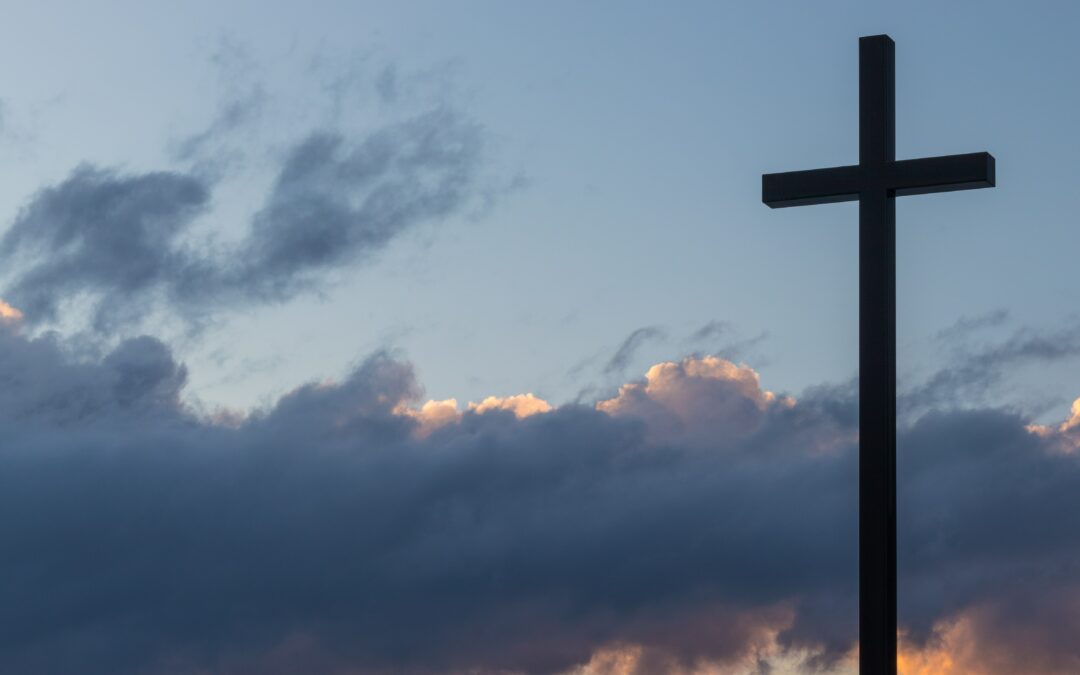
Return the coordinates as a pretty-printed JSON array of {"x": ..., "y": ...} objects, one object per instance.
[{"x": 875, "y": 182}]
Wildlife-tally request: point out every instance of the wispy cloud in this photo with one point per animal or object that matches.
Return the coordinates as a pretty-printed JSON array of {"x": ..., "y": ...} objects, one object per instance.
[
  {"x": 966, "y": 325},
  {"x": 710, "y": 331},
  {"x": 124, "y": 244},
  {"x": 629, "y": 347},
  {"x": 973, "y": 371}
]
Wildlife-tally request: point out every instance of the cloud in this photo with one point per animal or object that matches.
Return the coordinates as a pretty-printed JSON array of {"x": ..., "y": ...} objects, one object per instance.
[
  {"x": 434, "y": 414},
  {"x": 693, "y": 523},
  {"x": 622, "y": 356},
  {"x": 701, "y": 399},
  {"x": 324, "y": 518},
  {"x": 1073, "y": 422},
  {"x": 121, "y": 244},
  {"x": 972, "y": 372},
  {"x": 966, "y": 325},
  {"x": 364, "y": 157},
  {"x": 9, "y": 314},
  {"x": 521, "y": 405},
  {"x": 710, "y": 330},
  {"x": 732, "y": 349},
  {"x": 334, "y": 202},
  {"x": 113, "y": 236},
  {"x": 243, "y": 102},
  {"x": 240, "y": 109}
]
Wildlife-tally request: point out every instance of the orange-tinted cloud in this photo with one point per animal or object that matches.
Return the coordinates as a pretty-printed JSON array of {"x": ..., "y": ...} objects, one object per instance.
[
  {"x": 435, "y": 414},
  {"x": 432, "y": 415},
  {"x": 1073, "y": 420},
  {"x": 696, "y": 398},
  {"x": 9, "y": 314},
  {"x": 522, "y": 405}
]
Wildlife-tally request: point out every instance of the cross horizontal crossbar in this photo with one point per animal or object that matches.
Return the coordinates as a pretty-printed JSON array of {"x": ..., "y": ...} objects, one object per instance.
[{"x": 905, "y": 177}]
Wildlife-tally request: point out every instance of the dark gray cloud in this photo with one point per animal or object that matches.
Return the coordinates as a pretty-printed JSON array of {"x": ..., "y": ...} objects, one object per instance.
[
  {"x": 629, "y": 347},
  {"x": 334, "y": 202},
  {"x": 707, "y": 340},
  {"x": 323, "y": 535},
  {"x": 113, "y": 236},
  {"x": 966, "y": 325},
  {"x": 45, "y": 385},
  {"x": 238, "y": 110},
  {"x": 710, "y": 331},
  {"x": 972, "y": 371},
  {"x": 120, "y": 242}
]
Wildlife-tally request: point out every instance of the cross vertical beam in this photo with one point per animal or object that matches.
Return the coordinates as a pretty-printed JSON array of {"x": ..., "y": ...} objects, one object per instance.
[
  {"x": 875, "y": 182},
  {"x": 877, "y": 362}
]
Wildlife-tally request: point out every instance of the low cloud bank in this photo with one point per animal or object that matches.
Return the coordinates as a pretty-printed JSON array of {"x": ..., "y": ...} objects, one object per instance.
[{"x": 694, "y": 521}]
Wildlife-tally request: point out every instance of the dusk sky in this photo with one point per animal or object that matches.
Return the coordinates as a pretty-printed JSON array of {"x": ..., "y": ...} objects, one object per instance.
[{"x": 430, "y": 337}]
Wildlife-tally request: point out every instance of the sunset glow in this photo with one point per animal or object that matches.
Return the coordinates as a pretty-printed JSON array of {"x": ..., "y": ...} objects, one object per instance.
[{"x": 472, "y": 338}]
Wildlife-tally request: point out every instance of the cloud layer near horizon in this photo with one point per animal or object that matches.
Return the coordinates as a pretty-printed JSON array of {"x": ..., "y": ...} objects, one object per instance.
[{"x": 695, "y": 518}]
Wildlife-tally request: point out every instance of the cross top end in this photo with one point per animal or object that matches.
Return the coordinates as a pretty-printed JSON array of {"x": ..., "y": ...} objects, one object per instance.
[{"x": 878, "y": 170}]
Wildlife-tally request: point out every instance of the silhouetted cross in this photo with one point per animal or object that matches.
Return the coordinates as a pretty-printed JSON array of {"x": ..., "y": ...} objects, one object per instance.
[{"x": 875, "y": 182}]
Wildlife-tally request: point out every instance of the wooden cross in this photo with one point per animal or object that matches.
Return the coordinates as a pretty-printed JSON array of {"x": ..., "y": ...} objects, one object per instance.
[{"x": 875, "y": 182}]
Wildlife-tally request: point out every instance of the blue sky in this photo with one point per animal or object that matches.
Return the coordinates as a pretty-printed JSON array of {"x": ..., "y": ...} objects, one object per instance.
[
  {"x": 257, "y": 247},
  {"x": 630, "y": 141}
]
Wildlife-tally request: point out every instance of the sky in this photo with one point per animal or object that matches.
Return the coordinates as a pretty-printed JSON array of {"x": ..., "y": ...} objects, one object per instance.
[{"x": 371, "y": 337}]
